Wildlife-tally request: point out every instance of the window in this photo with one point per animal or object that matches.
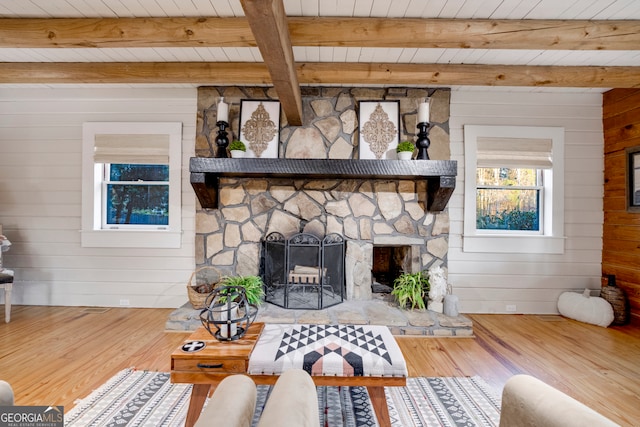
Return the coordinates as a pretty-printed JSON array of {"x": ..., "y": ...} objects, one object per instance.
[
  {"x": 514, "y": 195},
  {"x": 131, "y": 185},
  {"x": 135, "y": 195},
  {"x": 509, "y": 199}
]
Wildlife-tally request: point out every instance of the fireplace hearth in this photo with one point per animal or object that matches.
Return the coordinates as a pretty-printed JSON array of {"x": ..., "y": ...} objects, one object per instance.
[{"x": 304, "y": 271}]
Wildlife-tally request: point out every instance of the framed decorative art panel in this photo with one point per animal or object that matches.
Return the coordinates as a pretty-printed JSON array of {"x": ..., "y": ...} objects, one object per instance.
[
  {"x": 633, "y": 179},
  {"x": 379, "y": 129},
  {"x": 260, "y": 127}
]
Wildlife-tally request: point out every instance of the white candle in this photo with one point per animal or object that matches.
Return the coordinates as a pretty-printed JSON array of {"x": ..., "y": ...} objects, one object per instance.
[
  {"x": 423, "y": 112},
  {"x": 223, "y": 111},
  {"x": 229, "y": 329}
]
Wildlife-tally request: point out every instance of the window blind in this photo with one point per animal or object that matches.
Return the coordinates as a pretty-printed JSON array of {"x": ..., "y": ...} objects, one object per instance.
[
  {"x": 131, "y": 148},
  {"x": 514, "y": 152}
]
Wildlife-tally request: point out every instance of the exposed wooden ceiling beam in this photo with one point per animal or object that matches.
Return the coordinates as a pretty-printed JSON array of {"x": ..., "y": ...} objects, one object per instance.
[
  {"x": 135, "y": 72},
  {"x": 243, "y": 73},
  {"x": 268, "y": 22},
  {"x": 325, "y": 31},
  {"x": 125, "y": 32},
  {"x": 472, "y": 75},
  {"x": 466, "y": 33}
]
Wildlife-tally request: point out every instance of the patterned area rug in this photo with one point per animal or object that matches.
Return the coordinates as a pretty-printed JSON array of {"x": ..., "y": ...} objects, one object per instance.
[
  {"x": 443, "y": 401},
  {"x": 133, "y": 398},
  {"x": 337, "y": 406},
  {"x": 142, "y": 398}
]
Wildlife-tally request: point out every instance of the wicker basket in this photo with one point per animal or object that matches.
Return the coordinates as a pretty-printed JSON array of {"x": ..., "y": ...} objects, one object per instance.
[{"x": 201, "y": 283}]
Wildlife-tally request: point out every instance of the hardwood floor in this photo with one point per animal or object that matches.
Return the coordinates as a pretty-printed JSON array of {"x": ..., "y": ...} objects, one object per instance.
[{"x": 55, "y": 355}]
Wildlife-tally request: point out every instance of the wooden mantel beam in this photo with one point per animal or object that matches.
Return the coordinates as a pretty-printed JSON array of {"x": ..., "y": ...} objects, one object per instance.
[
  {"x": 248, "y": 73},
  {"x": 322, "y": 31},
  {"x": 268, "y": 22}
]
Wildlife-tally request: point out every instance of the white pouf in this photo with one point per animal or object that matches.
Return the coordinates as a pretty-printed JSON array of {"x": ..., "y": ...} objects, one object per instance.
[{"x": 585, "y": 308}]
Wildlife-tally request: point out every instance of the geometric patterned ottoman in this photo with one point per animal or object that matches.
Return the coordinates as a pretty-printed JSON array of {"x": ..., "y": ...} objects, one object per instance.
[{"x": 327, "y": 350}]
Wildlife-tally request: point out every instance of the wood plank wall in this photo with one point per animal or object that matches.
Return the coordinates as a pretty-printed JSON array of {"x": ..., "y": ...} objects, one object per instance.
[{"x": 621, "y": 239}]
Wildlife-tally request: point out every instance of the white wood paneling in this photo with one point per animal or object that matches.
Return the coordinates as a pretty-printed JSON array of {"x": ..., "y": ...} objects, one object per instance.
[
  {"x": 40, "y": 140},
  {"x": 40, "y": 195},
  {"x": 487, "y": 283}
]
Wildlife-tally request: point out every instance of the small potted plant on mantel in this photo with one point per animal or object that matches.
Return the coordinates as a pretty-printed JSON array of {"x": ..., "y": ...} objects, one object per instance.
[
  {"x": 405, "y": 150},
  {"x": 237, "y": 149}
]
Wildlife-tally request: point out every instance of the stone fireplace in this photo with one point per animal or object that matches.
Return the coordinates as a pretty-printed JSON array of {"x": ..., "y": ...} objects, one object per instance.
[{"x": 369, "y": 213}]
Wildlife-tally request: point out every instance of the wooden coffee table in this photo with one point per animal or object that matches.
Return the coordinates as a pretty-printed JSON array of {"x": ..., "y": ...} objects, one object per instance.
[{"x": 208, "y": 366}]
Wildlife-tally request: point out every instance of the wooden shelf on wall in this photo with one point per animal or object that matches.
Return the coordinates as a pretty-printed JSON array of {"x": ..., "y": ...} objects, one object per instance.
[{"x": 439, "y": 174}]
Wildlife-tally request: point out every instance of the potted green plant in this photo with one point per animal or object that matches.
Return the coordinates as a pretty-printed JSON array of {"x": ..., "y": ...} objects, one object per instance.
[
  {"x": 227, "y": 309},
  {"x": 252, "y": 285},
  {"x": 405, "y": 150},
  {"x": 237, "y": 148},
  {"x": 411, "y": 290}
]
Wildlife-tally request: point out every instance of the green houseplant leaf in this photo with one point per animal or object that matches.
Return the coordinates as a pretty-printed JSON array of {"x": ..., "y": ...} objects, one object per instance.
[
  {"x": 410, "y": 290},
  {"x": 251, "y": 284}
]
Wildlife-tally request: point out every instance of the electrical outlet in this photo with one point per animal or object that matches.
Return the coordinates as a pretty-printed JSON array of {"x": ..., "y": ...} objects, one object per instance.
[
  {"x": 511, "y": 308},
  {"x": 124, "y": 302}
]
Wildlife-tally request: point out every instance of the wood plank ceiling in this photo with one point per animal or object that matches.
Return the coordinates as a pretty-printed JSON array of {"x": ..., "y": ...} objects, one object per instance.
[{"x": 510, "y": 43}]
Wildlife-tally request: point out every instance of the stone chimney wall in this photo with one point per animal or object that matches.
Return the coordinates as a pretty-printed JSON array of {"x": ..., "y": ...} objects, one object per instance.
[{"x": 366, "y": 212}]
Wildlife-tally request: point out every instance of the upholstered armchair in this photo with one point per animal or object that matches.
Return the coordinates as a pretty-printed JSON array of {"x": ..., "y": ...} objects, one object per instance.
[{"x": 293, "y": 401}]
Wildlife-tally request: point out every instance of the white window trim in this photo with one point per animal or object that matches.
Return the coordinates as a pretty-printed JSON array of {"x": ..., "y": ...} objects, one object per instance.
[
  {"x": 92, "y": 233},
  {"x": 552, "y": 240}
]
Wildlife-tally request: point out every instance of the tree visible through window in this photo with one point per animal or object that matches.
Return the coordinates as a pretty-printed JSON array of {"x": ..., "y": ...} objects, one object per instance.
[
  {"x": 136, "y": 194},
  {"x": 508, "y": 199}
]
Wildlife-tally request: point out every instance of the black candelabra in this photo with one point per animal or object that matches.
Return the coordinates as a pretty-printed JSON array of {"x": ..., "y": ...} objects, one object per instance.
[
  {"x": 222, "y": 141},
  {"x": 423, "y": 141}
]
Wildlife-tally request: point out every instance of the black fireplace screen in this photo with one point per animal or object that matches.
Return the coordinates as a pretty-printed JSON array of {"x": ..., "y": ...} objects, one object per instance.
[{"x": 304, "y": 272}]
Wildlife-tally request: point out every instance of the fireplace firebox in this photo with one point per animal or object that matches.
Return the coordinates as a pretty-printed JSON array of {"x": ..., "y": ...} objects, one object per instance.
[
  {"x": 304, "y": 271},
  {"x": 389, "y": 262}
]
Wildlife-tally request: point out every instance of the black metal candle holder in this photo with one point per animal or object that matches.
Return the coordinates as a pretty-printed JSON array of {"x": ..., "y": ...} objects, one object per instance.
[
  {"x": 222, "y": 141},
  {"x": 228, "y": 314},
  {"x": 423, "y": 141}
]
